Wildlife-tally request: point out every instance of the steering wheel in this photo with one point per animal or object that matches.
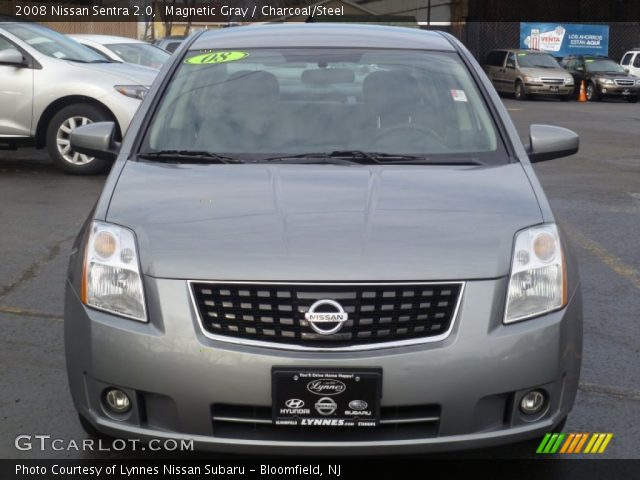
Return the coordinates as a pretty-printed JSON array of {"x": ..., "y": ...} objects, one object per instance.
[{"x": 410, "y": 128}]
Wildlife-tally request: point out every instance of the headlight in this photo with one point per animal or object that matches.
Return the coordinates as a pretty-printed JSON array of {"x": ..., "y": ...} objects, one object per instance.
[
  {"x": 638, "y": 82},
  {"x": 527, "y": 78},
  {"x": 568, "y": 81},
  {"x": 538, "y": 279},
  {"x": 111, "y": 279},
  {"x": 605, "y": 81},
  {"x": 133, "y": 91}
]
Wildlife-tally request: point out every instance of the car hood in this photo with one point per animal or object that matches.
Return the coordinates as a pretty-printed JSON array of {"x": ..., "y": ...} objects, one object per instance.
[
  {"x": 323, "y": 222},
  {"x": 619, "y": 75},
  {"x": 546, "y": 72},
  {"x": 121, "y": 72}
]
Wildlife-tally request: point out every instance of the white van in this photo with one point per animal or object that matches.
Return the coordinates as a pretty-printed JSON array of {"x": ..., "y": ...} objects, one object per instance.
[{"x": 631, "y": 62}]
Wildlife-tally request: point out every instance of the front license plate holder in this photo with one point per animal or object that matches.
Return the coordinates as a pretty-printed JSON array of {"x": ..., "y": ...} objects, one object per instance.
[{"x": 327, "y": 398}]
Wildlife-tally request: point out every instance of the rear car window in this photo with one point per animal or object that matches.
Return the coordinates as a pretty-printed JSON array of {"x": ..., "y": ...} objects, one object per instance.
[{"x": 290, "y": 101}]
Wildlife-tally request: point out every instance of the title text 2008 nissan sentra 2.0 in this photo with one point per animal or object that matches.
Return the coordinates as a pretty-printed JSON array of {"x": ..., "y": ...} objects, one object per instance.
[{"x": 335, "y": 247}]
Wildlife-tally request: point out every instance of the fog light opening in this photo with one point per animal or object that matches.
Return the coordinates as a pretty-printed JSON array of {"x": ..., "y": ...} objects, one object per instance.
[
  {"x": 533, "y": 402},
  {"x": 116, "y": 401}
]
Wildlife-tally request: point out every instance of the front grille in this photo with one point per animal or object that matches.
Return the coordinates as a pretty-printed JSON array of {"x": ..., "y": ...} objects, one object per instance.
[
  {"x": 553, "y": 81},
  {"x": 624, "y": 83},
  {"x": 378, "y": 313},
  {"x": 254, "y": 422}
]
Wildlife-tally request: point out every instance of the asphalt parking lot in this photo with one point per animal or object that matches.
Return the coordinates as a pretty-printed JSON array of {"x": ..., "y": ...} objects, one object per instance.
[{"x": 595, "y": 194}]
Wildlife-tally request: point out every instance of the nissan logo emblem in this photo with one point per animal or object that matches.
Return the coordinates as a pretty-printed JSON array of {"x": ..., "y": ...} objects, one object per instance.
[
  {"x": 333, "y": 320},
  {"x": 326, "y": 406}
]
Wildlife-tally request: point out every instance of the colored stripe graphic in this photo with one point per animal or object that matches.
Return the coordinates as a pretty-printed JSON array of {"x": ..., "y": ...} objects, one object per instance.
[
  {"x": 570, "y": 439},
  {"x": 543, "y": 443},
  {"x": 572, "y": 443},
  {"x": 582, "y": 442}
]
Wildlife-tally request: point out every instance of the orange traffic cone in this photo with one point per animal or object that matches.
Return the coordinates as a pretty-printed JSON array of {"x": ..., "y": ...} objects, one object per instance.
[{"x": 583, "y": 94}]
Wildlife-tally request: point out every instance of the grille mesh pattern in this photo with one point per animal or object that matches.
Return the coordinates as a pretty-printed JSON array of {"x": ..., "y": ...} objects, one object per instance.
[{"x": 274, "y": 313}]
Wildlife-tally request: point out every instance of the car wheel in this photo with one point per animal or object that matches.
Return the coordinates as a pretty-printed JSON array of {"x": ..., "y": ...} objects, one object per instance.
[
  {"x": 632, "y": 99},
  {"x": 592, "y": 93},
  {"x": 58, "y": 139},
  {"x": 520, "y": 92}
]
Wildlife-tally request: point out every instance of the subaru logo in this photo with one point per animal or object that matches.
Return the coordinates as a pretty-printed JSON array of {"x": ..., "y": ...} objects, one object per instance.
[
  {"x": 326, "y": 386},
  {"x": 333, "y": 320},
  {"x": 294, "y": 403},
  {"x": 326, "y": 406},
  {"x": 358, "y": 405}
]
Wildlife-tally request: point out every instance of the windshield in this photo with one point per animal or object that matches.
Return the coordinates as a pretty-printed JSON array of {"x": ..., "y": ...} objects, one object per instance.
[
  {"x": 603, "y": 65},
  {"x": 537, "y": 60},
  {"x": 53, "y": 44},
  {"x": 140, "y": 54},
  {"x": 261, "y": 102}
]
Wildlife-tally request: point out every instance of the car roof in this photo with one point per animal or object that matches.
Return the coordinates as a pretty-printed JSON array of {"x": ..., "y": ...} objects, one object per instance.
[
  {"x": 105, "y": 39},
  {"x": 322, "y": 35}
]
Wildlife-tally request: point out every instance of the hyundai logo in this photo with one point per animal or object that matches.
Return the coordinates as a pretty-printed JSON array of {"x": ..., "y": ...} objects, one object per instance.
[
  {"x": 334, "y": 320},
  {"x": 326, "y": 406},
  {"x": 294, "y": 403}
]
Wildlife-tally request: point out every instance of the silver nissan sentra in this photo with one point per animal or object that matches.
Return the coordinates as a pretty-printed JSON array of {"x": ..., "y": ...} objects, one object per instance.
[{"x": 323, "y": 238}]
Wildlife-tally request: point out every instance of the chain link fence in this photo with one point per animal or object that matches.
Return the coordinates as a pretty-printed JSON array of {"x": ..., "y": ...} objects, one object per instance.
[{"x": 482, "y": 37}]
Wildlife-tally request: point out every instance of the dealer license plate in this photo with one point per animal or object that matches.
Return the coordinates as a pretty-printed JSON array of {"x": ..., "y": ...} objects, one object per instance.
[{"x": 326, "y": 398}]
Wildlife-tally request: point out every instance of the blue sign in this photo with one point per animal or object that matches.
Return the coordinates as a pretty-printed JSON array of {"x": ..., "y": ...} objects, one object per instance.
[{"x": 562, "y": 39}]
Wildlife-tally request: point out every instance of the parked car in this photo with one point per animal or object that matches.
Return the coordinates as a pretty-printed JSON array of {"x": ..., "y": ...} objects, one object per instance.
[
  {"x": 631, "y": 62},
  {"x": 54, "y": 84},
  {"x": 603, "y": 77},
  {"x": 528, "y": 72},
  {"x": 170, "y": 44},
  {"x": 378, "y": 271},
  {"x": 123, "y": 49}
]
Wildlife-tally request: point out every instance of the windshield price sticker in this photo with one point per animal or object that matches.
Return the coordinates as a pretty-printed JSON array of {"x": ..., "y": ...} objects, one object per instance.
[
  {"x": 216, "y": 57},
  {"x": 459, "y": 95}
]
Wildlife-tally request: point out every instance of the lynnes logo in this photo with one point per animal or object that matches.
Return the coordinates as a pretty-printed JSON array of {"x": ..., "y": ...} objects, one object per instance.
[{"x": 326, "y": 386}]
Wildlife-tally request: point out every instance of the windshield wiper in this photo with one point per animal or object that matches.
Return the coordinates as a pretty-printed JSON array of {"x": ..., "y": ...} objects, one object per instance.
[
  {"x": 187, "y": 156},
  {"x": 341, "y": 157}
]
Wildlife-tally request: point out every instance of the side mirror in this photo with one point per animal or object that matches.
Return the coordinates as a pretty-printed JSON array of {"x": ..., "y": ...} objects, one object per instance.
[
  {"x": 11, "y": 56},
  {"x": 547, "y": 142},
  {"x": 95, "y": 140}
]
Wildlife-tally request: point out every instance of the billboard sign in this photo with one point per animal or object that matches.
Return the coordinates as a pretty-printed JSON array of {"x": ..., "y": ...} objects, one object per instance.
[{"x": 562, "y": 39}]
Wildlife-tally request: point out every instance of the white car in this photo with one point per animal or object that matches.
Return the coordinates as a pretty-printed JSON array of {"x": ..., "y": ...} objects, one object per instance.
[
  {"x": 631, "y": 62},
  {"x": 124, "y": 49},
  {"x": 50, "y": 84}
]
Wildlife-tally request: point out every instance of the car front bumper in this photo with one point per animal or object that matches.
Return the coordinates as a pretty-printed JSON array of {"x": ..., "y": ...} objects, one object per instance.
[
  {"x": 175, "y": 375},
  {"x": 541, "y": 89},
  {"x": 618, "y": 91}
]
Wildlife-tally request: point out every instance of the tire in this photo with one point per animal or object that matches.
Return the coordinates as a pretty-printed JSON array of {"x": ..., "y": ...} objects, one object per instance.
[
  {"x": 58, "y": 139},
  {"x": 90, "y": 430},
  {"x": 632, "y": 99},
  {"x": 520, "y": 92},
  {"x": 592, "y": 93}
]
